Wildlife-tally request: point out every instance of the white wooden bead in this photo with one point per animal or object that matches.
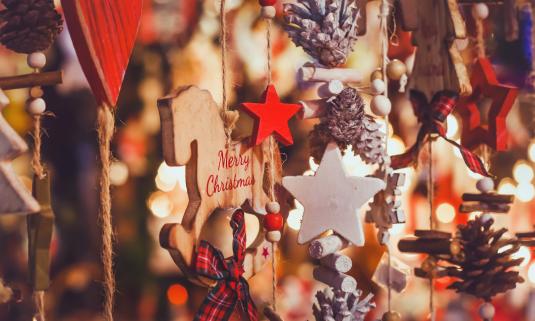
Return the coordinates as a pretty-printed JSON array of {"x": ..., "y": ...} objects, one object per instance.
[
  {"x": 486, "y": 217},
  {"x": 378, "y": 86},
  {"x": 485, "y": 185},
  {"x": 487, "y": 311},
  {"x": 37, "y": 60},
  {"x": 273, "y": 236},
  {"x": 4, "y": 101},
  {"x": 36, "y": 107},
  {"x": 268, "y": 12},
  {"x": 480, "y": 11},
  {"x": 381, "y": 105},
  {"x": 273, "y": 207}
]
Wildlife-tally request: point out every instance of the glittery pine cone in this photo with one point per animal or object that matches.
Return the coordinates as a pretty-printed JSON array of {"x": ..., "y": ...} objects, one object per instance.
[
  {"x": 326, "y": 29},
  {"x": 28, "y": 26},
  {"x": 346, "y": 124},
  {"x": 485, "y": 267}
]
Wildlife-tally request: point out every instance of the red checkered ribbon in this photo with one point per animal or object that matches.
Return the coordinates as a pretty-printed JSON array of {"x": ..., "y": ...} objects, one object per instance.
[
  {"x": 432, "y": 117},
  {"x": 231, "y": 287}
]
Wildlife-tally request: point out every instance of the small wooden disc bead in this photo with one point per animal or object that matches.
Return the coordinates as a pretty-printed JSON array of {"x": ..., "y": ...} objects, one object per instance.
[
  {"x": 391, "y": 316},
  {"x": 268, "y": 12},
  {"x": 485, "y": 185},
  {"x": 37, "y": 60},
  {"x": 376, "y": 74},
  {"x": 487, "y": 311},
  {"x": 36, "y": 92},
  {"x": 396, "y": 69},
  {"x": 36, "y": 107},
  {"x": 381, "y": 105},
  {"x": 273, "y": 236}
]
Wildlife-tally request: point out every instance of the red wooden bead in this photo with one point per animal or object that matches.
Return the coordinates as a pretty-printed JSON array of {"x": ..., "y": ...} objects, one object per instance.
[
  {"x": 265, "y": 3},
  {"x": 273, "y": 222}
]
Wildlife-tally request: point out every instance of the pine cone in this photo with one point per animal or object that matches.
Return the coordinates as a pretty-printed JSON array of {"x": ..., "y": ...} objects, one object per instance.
[
  {"x": 346, "y": 124},
  {"x": 326, "y": 29},
  {"x": 484, "y": 268},
  {"x": 338, "y": 305},
  {"x": 28, "y": 26}
]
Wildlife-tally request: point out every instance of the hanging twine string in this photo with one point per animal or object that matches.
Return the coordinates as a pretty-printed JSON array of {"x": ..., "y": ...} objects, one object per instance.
[
  {"x": 430, "y": 196},
  {"x": 106, "y": 125},
  {"x": 37, "y": 165},
  {"x": 383, "y": 16},
  {"x": 230, "y": 117},
  {"x": 480, "y": 40},
  {"x": 272, "y": 148},
  {"x": 39, "y": 300}
]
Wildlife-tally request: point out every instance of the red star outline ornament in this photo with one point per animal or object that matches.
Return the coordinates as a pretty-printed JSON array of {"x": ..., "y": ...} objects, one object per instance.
[
  {"x": 486, "y": 85},
  {"x": 271, "y": 118}
]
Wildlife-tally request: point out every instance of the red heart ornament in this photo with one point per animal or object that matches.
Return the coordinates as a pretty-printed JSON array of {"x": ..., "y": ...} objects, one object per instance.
[{"x": 103, "y": 33}]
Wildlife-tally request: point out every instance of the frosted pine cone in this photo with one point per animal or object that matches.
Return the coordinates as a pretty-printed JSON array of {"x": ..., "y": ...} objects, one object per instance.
[{"x": 326, "y": 29}]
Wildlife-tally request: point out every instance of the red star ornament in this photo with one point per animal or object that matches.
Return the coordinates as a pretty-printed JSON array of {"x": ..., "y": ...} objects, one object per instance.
[
  {"x": 485, "y": 85},
  {"x": 271, "y": 117}
]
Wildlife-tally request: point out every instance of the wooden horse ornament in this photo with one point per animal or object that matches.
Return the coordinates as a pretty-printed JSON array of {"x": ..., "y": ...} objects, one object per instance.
[{"x": 220, "y": 174}]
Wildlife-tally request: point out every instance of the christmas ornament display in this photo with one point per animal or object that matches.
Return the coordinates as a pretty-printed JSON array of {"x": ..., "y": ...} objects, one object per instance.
[
  {"x": 271, "y": 117},
  {"x": 231, "y": 290},
  {"x": 29, "y": 26},
  {"x": 338, "y": 305},
  {"x": 341, "y": 197},
  {"x": 490, "y": 128},
  {"x": 219, "y": 173},
  {"x": 326, "y": 30},
  {"x": 432, "y": 115},
  {"x": 438, "y": 65},
  {"x": 485, "y": 266},
  {"x": 16, "y": 199}
]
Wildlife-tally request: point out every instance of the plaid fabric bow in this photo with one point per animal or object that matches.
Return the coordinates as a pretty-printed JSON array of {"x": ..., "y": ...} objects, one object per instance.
[
  {"x": 432, "y": 117},
  {"x": 231, "y": 287}
]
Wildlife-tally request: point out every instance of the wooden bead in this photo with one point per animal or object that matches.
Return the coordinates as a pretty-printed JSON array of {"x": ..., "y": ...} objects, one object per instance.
[
  {"x": 266, "y": 3},
  {"x": 36, "y": 60},
  {"x": 391, "y": 316},
  {"x": 480, "y": 11},
  {"x": 377, "y": 74},
  {"x": 485, "y": 185},
  {"x": 36, "y": 107},
  {"x": 273, "y": 236},
  {"x": 487, "y": 311},
  {"x": 273, "y": 207},
  {"x": 396, "y": 69},
  {"x": 378, "y": 86},
  {"x": 268, "y": 12},
  {"x": 381, "y": 105},
  {"x": 455, "y": 247},
  {"x": 36, "y": 92},
  {"x": 273, "y": 222}
]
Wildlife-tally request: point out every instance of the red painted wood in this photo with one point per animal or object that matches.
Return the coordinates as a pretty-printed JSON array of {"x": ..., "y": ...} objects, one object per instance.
[
  {"x": 271, "y": 117},
  {"x": 485, "y": 85},
  {"x": 103, "y": 33}
]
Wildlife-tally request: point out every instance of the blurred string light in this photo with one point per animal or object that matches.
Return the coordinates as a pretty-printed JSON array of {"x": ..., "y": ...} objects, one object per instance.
[
  {"x": 531, "y": 273},
  {"x": 177, "y": 294},
  {"x": 396, "y": 146},
  {"x": 160, "y": 205},
  {"x": 445, "y": 213},
  {"x": 525, "y": 192},
  {"x": 118, "y": 173},
  {"x": 453, "y": 126},
  {"x": 523, "y": 172},
  {"x": 169, "y": 176},
  {"x": 295, "y": 217},
  {"x": 523, "y": 253},
  {"x": 531, "y": 151},
  {"x": 507, "y": 186}
]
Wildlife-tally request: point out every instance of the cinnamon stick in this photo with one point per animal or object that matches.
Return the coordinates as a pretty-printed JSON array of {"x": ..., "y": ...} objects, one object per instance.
[{"x": 31, "y": 80}]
